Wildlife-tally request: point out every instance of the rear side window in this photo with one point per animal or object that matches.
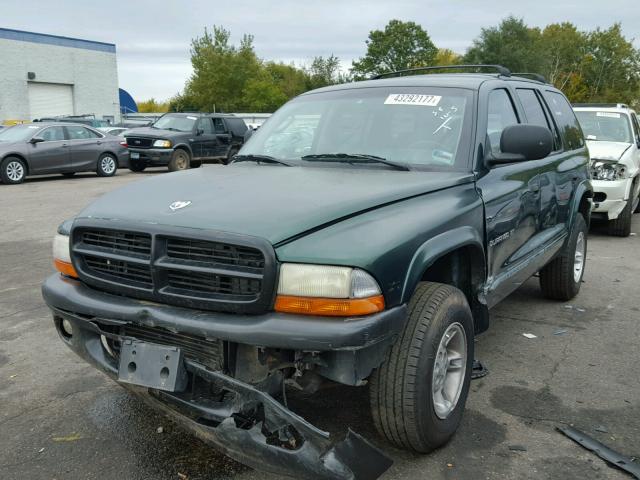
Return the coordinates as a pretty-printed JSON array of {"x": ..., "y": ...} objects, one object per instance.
[
  {"x": 80, "y": 133},
  {"x": 205, "y": 125},
  {"x": 565, "y": 119},
  {"x": 501, "y": 115},
  {"x": 532, "y": 108},
  {"x": 219, "y": 125}
]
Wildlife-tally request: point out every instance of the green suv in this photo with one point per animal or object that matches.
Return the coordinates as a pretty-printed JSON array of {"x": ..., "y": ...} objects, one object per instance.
[{"x": 360, "y": 237}]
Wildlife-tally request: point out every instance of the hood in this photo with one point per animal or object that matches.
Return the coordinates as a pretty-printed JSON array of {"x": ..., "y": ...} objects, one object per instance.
[
  {"x": 601, "y": 150},
  {"x": 272, "y": 202},
  {"x": 153, "y": 132}
]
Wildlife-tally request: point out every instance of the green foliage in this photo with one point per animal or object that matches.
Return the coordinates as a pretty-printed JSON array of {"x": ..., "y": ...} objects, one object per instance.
[
  {"x": 399, "y": 46},
  {"x": 152, "y": 106},
  {"x": 446, "y": 56}
]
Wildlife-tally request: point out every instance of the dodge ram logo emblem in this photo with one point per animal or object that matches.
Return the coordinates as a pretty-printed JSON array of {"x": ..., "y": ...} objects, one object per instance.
[{"x": 179, "y": 204}]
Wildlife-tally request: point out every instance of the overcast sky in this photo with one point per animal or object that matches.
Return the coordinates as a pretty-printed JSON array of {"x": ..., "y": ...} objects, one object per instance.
[{"x": 152, "y": 37}]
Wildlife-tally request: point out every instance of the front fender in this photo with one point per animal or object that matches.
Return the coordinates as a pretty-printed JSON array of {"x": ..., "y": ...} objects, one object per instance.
[
  {"x": 584, "y": 187},
  {"x": 438, "y": 246}
]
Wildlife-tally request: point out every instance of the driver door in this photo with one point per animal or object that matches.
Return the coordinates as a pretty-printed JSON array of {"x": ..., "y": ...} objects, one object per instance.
[
  {"x": 511, "y": 196},
  {"x": 52, "y": 155}
]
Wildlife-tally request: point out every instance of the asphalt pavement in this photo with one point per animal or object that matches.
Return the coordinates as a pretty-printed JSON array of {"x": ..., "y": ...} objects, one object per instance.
[{"x": 61, "y": 419}]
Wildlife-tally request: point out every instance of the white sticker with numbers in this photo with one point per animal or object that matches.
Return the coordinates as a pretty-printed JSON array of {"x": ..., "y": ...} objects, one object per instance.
[{"x": 413, "y": 99}]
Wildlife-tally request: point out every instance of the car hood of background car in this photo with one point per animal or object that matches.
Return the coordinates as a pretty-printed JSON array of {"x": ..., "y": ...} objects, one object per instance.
[
  {"x": 601, "y": 150},
  {"x": 268, "y": 201},
  {"x": 153, "y": 132}
]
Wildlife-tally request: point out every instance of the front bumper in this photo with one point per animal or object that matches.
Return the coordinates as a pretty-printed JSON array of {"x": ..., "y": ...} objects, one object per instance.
[
  {"x": 152, "y": 156},
  {"x": 613, "y": 197},
  {"x": 354, "y": 346}
]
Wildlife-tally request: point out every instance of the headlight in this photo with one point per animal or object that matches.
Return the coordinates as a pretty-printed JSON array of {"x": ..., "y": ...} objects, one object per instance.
[
  {"x": 607, "y": 170},
  {"x": 162, "y": 144},
  {"x": 327, "y": 290},
  {"x": 62, "y": 256}
]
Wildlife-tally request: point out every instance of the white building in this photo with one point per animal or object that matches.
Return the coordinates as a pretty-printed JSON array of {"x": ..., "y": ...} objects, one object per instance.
[{"x": 47, "y": 76}]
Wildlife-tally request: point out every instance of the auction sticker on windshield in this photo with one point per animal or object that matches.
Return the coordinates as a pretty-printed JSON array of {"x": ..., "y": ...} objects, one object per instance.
[
  {"x": 413, "y": 99},
  {"x": 608, "y": 114}
]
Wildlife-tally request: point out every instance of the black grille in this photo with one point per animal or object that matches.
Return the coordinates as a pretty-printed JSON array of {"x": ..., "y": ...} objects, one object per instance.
[
  {"x": 211, "y": 283},
  {"x": 214, "y": 253},
  {"x": 139, "y": 142},
  {"x": 120, "y": 242},
  {"x": 120, "y": 270},
  {"x": 233, "y": 274},
  {"x": 207, "y": 352}
]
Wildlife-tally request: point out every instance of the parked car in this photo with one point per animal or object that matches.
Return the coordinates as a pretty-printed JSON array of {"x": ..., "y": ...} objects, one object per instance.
[
  {"x": 384, "y": 219},
  {"x": 115, "y": 131},
  {"x": 185, "y": 140},
  {"x": 613, "y": 137},
  {"x": 91, "y": 122},
  {"x": 46, "y": 148}
]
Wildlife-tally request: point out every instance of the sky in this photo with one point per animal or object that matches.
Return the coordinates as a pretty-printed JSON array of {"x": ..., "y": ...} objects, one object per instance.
[{"x": 152, "y": 37}]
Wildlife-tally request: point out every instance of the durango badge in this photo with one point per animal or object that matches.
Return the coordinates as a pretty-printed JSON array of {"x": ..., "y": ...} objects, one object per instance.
[{"x": 179, "y": 204}]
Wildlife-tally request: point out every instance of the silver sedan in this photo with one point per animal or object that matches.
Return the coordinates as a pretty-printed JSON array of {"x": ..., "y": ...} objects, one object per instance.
[{"x": 66, "y": 148}]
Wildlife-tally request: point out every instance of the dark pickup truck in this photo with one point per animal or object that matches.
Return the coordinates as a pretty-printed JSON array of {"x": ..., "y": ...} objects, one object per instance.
[
  {"x": 185, "y": 140},
  {"x": 386, "y": 218}
]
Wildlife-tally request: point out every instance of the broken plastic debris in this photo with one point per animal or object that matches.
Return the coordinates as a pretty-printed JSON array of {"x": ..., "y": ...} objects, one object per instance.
[
  {"x": 601, "y": 429},
  {"x": 560, "y": 332},
  {"x": 41, "y": 450},
  {"x": 518, "y": 448},
  {"x": 159, "y": 430},
  {"x": 69, "y": 438},
  {"x": 479, "y": 370},
  {"x": 182, "y": 476},
  {"x": 529, "y": 335}
]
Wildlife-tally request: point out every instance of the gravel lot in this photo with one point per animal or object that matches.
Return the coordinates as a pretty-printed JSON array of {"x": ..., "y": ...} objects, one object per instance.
[{"x": 61, "y": 419}]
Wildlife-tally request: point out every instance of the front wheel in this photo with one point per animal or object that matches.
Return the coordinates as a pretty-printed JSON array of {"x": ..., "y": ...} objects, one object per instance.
[
  {"x": 179, "y": 161},
  {"x": 418, "y": 394},
  {"x": 621, "y": 226},
  {"x": 561, "y": 278},
  {"x": 107, "y": 165},
  {"x": 12, "y": 170}
]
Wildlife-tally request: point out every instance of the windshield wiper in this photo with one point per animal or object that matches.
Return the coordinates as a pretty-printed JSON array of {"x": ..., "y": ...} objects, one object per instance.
[
  {"x": 354, "y": 158},
  {"x": 259, "y": 159}
]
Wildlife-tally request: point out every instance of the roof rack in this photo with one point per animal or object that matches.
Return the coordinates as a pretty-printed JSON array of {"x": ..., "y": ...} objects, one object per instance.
[
  {"x": 602, "y": 105},
  {"x": 499, "y": 68},
  {"x": 533, "y": 76}
]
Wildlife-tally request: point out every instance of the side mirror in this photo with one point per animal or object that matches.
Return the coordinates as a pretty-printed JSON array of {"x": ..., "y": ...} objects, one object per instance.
[
  {"x": 35, "y": 140},
  {"x": 519, "y": 143}
]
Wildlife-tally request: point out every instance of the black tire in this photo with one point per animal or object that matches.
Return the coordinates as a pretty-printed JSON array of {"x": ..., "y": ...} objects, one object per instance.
[
  {"x": 68, "y": 174},
  {"x": 107, "y": 165},
  {"x": 180, "y": 160},
  {"x": 12, "y": 171},
  {"x": 401, "y": 388},
  {"x": 621, "y": 226},
  {"x": 137, "y": 165},
  {"x": 557, "y": 279},
  {"x": 232, "y": 153}
]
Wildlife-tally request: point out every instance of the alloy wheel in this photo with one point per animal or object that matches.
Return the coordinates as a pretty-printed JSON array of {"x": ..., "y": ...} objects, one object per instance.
[
  {"x": 449, "y": 370},
  {"x": 15, "y": 171}
]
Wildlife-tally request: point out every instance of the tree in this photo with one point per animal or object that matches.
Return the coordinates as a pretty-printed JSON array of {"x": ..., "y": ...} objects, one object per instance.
[
  {"x": 399, "y": 46},
  {"x": 324, "y": 71},
  {"x": 446, "y": 56},
  {"x": 152, "y": 106},
  {"x": 511, "y": 44}
]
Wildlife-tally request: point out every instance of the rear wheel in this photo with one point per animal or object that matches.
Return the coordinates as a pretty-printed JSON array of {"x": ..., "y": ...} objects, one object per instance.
[
  {"x": 107, "y": 165},
  {"x": 621, "y": 226},
  {"x": 418, "y": 394},
  {"x": 232, "y": 153},
  {"x": 12, "y": 170},
  {"x": 179, "y": 161},
  {"x": 561, "y": 278}
]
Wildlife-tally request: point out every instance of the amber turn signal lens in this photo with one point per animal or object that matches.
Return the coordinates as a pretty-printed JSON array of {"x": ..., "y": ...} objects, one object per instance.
[
  {"x": 329, "y": 307},
  {"x": 65, "y": 268}
]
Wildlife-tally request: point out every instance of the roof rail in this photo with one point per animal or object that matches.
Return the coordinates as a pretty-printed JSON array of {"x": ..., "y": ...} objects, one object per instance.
[
  {"x": 499, "y": 68},
  {"x": 533, "y": 76},
  {"x": 601, "y": 105}
]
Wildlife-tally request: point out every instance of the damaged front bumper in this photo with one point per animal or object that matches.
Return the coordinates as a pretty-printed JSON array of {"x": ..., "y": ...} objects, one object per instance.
[{"x": 244, "y": 422}]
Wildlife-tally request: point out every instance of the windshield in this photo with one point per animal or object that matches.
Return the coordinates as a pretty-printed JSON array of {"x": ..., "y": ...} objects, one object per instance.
[
  {"x": 180, "y": 123},
  {"x": 416, "y": 126},
  {"x": 605, "y": 126},
  {"x": 18, "y": 133}
]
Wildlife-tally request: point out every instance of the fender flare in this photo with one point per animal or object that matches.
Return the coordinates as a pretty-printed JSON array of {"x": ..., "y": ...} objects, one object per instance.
[
  {"x": 583, "y": 187},
  {"x": 438, "y": 246},
  {"x": 184, "y": 146}
]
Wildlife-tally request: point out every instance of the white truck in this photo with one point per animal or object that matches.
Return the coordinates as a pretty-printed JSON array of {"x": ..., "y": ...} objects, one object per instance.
[{"x": 612, "y": 132}]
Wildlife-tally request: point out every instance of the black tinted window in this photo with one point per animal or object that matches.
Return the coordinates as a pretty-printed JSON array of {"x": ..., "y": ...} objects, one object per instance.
[
  {"x": 218, "y": 123},
  {"x": 565, "y": 119},
  {"x": 532, "y": 108},
  {"x": 205, "y": 125},
  {"x": 52, "y": 134},
  {"x": 501, "y": 114}
]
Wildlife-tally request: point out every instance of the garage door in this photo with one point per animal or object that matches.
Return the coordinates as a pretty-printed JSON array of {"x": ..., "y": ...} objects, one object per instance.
[{"x": 50, "y": 99}]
